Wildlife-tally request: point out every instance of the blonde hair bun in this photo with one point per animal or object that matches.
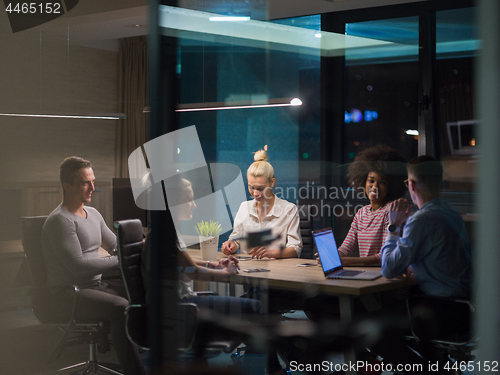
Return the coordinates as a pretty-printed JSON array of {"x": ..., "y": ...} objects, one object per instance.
[
  {"x": 261, "y": 167},
  {"x": 260, "y": 155}
]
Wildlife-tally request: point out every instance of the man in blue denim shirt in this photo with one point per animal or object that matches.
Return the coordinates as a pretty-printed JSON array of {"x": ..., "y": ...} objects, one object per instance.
[
  {"x": 435, "y": 250},
  {"x": 434, "y": 247}
]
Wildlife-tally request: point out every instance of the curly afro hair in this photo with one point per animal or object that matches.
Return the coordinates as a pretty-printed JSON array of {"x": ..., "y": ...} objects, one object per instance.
[{"x": 382, "y": 160}]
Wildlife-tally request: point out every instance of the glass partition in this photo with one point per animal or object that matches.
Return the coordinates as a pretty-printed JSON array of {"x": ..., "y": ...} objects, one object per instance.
[
  {"x": 245, "y": 85},
  {"x": 457, "y": 46},
  {"x": 241, "y": 84},
  {"x": 382, "y": 88}
]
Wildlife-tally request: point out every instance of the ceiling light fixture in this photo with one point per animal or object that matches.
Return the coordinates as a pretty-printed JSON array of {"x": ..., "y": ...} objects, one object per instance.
[
  {"x": 95, "y": 116},
  {"x": 216, "y": 106},
  {"x": 243, "y": 104}
]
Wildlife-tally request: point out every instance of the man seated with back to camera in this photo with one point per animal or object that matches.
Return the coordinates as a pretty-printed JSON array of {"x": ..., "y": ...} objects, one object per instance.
[
  {"x": 181, "y": 200},
  {"x": 181, "y": 197},
  {"x": 434, "y": 248},
  {"x": 71, "y": 237}
]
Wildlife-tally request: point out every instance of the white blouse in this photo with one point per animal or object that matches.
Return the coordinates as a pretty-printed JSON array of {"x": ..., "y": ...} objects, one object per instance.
[{"x": 283, "y": 219}]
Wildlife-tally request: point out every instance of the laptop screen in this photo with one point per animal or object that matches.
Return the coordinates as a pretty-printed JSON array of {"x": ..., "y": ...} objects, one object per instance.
[{"x": 327, "y": 250}]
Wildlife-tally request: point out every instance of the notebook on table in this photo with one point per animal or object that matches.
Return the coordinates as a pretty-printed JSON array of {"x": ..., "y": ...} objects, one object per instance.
[{"x": 330, "y": 259}]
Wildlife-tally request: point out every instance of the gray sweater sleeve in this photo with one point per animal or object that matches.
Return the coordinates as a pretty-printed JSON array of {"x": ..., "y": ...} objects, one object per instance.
[
  {"x": 71, "y": 245},
  {"x": 108, "y": 238}
]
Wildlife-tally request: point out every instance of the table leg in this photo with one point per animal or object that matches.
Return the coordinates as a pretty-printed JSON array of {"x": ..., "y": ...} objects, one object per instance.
[
  {"x": 346, "y": 308},
  {"x": 346, "y": 316},
  {"x": 370, "y": 302}
]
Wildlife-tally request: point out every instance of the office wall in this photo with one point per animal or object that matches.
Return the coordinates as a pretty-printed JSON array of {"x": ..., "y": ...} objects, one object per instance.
[{"x": 41, "y": 73}]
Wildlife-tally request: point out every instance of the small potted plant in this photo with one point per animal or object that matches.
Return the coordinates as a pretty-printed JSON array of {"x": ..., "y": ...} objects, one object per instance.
[{"x": 209, "y": 238}]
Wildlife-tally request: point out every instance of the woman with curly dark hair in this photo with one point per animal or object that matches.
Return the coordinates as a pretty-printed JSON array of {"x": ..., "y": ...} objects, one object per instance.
[{"x": 380, "y": 171}]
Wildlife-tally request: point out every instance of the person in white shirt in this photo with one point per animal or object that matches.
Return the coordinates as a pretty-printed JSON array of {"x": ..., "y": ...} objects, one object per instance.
[{"x": 266, "y": 210}]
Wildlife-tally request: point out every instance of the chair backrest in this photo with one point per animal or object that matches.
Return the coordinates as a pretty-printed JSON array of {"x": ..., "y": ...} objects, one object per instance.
[
  {"x": 31, "y": 234},
  {"x": 306, "y": 227},
  {"x": 130, "y": 244}
]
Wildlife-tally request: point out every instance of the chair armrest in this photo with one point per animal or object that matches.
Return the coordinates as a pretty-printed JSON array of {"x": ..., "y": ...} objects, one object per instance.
[
  {"x": 136, "y": 325},
  {"x": 453, "y": 316},
  {"x": 41, "y": 295},
  {"x": 76, "y": 294},
  {"x": 206, "y": 293},
  {"x": 33, "y": 289},
  {"x": 131, "y": 307}
]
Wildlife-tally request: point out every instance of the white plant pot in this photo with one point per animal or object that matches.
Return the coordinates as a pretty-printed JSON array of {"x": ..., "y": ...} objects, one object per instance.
[{"x": 208, "y": 247}]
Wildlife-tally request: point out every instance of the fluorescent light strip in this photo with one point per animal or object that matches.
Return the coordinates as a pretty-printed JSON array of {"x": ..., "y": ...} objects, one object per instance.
[
  {"x": 229, "y": 18},
  {"x": 215, "y": 106},
  {"x": 236, "y": 107},
  {"x": 110, "y": 116},
  {"x": 292, "y": 103}
]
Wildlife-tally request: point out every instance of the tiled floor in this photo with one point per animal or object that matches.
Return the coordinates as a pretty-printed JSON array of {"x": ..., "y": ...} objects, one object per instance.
[{"x": 25, "y": 346}]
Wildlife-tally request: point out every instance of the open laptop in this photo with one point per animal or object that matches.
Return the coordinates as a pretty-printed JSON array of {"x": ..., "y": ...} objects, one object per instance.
[{"x": 330, "y": 259}]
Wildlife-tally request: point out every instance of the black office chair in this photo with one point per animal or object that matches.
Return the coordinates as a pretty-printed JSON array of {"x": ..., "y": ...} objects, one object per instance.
[
  {"x": 455, "y": 339},
  {"x": 93, "y": 332},
  {"x": 306, "y": 227},
  {"x": 130, "y": 244}
]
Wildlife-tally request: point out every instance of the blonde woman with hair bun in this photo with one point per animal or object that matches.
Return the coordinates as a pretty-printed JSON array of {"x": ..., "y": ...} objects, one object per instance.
[{"x": 266, "y": 210}]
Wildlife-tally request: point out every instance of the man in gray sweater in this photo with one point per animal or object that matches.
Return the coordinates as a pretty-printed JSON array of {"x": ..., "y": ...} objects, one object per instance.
[{"x": 71, "y": 238}]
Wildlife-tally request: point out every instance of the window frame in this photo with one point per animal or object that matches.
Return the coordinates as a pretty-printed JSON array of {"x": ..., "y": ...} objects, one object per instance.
[{"x": 333, "y": 70}]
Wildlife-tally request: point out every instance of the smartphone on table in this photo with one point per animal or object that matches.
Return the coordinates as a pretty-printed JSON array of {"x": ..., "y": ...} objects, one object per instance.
[
  {"x": 243, "y": 257},
  {"x": 252, "y": 270}
]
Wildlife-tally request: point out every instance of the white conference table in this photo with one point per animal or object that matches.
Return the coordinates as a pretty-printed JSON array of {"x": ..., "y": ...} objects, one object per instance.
[{"x": 284, "y": 274}]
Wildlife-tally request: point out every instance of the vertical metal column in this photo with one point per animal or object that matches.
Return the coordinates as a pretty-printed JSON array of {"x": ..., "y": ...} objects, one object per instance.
[
  {"x": 487, "y": 246},
  {"x": 332, "y": 105},
  {"x": 163, "y": 296},
  {"x": 427, "y": 61}
]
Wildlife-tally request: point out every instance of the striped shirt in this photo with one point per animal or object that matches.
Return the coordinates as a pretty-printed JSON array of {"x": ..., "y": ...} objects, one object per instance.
[{"x": 368, "y": 232}]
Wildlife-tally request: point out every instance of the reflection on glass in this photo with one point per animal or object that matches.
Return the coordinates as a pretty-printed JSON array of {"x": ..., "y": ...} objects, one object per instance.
[
  {"x": 214, "y": 67},
  {"x": 457, "y": 33},
  {"x": 457, "y": 44},
  {"x": 382, "y": 88},
  {"x": 402, "y": 32}
]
